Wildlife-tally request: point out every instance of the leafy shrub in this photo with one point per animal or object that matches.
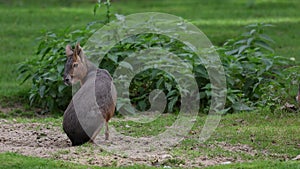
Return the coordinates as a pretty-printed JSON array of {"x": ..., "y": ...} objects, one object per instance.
[
  {"x": 250, "y": 65},
  {"x": 249, "y": 62},
  {"x": 146, "y": 81},
  {"x": 283, "y": 90}
]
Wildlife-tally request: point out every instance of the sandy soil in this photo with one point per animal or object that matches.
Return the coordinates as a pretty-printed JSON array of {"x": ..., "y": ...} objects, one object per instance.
[{"x": 48, "y": 141}]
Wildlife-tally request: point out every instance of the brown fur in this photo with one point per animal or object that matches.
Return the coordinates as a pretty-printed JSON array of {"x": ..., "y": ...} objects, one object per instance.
[{"x": 79, "y": 69}]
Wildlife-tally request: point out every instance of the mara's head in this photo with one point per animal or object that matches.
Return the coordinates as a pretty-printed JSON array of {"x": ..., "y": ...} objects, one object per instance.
[{"x": 76, "y": 66}]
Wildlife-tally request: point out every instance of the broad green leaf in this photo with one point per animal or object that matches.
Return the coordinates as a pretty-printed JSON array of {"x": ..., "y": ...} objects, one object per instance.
[
  {"x": 61, "y": 88},
  {"x": 264, "y": 45},
  {"x": 266, "y": 38},
  {"x": 243, "y": 41},
  {"x": 234, "y": 51},
  {"x": 172, "y": 103},
  {"x": 126, "y": 65},
  {"x": 242, "y": 48},
  {"x": 159, "y": 82},
  {"x": 241, "y": 107},
  {"x": 42, "y": 90}
]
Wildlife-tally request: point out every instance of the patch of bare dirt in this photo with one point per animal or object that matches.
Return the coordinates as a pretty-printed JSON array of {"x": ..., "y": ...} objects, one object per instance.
[
  {"x": 4, "y": 109},
  {"x": 48, "y": 141},
  {"x": 31, "y": 138},
  {"x": 19, "y": 108},
  {"x": 238, "y": 148},
  {"x": 209, "y": 161}
]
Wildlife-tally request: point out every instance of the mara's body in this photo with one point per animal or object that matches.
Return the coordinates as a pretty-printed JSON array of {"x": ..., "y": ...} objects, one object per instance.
[{"x": 93, "y": 104}]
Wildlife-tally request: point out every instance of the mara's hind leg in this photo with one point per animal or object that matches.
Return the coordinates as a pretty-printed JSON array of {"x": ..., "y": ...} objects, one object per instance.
[
  {"x": 92, "y": 141},
  {"x": 106, "y": 131}
]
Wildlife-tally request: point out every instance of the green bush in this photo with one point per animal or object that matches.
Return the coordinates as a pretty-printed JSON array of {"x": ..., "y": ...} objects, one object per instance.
[
  {"x": 250, "y": 65},
  {"x": 282, "y": 90},
  {"x": 249, "y": 62},
  {"x": 146, "y": 81}
]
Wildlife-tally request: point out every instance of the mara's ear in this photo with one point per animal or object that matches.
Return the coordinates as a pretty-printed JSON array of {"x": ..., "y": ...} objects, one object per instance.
[
  {"x": 69, "y": 51},
  {"x": 79, "y": 51}
]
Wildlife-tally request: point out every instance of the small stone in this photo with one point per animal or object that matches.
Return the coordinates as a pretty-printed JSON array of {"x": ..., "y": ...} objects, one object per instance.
[
  {"x": 166, "y": 156},
  {"x": 296, "y": 158},
  {"x": 226, "y": 162},
  {"x": 4, "y": 121}
]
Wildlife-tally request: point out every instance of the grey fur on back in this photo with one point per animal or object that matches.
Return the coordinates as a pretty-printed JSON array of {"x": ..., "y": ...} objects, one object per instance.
[{"x": 91, "y": 107}]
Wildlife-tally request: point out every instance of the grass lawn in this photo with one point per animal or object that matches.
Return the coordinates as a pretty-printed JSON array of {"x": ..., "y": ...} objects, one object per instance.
[
  {"x": 252, "y": 140},
  {"x": 275, "y": 137},
  {"x": 23, "y": 21},
  {"x": 14, "y": 161}
]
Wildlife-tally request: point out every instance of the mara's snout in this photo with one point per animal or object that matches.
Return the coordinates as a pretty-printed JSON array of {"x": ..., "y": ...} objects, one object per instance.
[{"x": 67, "y": 80}]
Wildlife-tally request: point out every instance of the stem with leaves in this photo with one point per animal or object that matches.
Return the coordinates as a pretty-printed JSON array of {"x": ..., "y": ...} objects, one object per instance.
[{"x": 107, "y": 4}]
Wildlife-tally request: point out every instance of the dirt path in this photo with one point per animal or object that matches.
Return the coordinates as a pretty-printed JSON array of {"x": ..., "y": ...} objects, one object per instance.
[{"x": 47, "y": 141}]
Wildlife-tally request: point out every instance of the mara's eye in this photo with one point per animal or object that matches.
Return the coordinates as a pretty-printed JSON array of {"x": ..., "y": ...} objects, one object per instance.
[{"x": 75, "y": 64}]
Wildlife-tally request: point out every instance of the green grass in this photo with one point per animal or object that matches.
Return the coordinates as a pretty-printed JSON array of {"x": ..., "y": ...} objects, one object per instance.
[
  {"x": 276, "y": 132},
  {"x": 273, "y": 137},
  {"x": 137, "y": 129},
  {"x": 21, "y": 24},
  {"x": 260, "y": 164},
  {"x": 16, "y": 161},
  {"x": 23, "y": 21}
]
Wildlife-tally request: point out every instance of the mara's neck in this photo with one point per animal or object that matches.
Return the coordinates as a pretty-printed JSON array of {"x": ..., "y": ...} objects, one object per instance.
[{"x": 91, "y": 68}]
